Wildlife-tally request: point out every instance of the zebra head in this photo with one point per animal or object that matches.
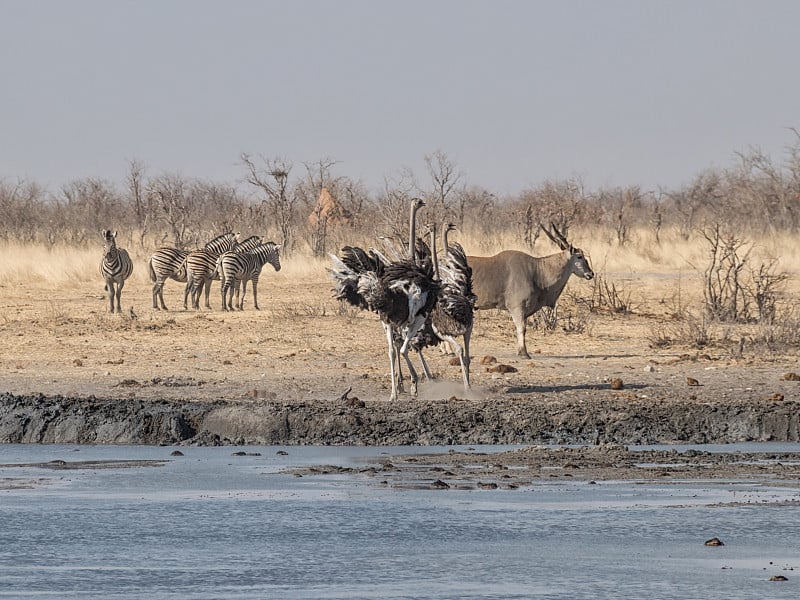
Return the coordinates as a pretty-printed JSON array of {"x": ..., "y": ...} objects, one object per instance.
[
  {"x": 109, "y": 243},
  {"x": 269, "y": 252}
]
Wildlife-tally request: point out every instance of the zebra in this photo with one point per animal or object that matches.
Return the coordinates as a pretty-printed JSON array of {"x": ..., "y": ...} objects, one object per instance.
[
  {"x": 201, "y": 269},
  {"x": 239, "y": 268},
  {"x": 166, "y": 263},
  {"x": 115, "y": 267}
]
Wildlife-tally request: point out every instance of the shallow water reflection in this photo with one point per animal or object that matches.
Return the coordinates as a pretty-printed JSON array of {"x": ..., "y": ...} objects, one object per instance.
[{"x": 212, "y": 525}]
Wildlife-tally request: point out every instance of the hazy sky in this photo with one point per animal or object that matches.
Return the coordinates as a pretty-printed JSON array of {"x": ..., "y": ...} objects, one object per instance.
[{"x": 514, "y": 92}]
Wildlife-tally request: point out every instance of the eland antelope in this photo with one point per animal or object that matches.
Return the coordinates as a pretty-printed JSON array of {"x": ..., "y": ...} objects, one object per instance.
[{"x": 522, "y": 284}]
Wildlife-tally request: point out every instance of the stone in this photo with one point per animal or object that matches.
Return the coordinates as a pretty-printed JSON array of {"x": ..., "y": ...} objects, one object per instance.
[
  {"x": 692, "y": 381},
  {"x": 779, "y": 578},
  {"x": 715, "y": 541},
  {"x": 488, "y": 360},
  {"x": 439, "y": 485},
  {"x": 616, "y": 384},
  {"x": 791, "y": 376},
  {"x": 176, "y": 453}
]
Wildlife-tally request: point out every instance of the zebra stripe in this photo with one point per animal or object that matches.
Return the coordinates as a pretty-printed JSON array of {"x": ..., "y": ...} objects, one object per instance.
[
  {"x": 237, "y": 269},
  {"x": 166, "y": 263},
  {"x": 115, "y": 267},
  {"x": 201, "y": 265}
]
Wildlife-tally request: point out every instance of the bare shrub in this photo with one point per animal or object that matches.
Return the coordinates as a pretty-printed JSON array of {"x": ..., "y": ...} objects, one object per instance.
[
  {"x": 659, "y": 336},
  {"x": 570, "y": 315},
  {"x": 606, "y": 295},
  {"x": 691, "y": 330},
  {"x": 780, "y": 333},
  {"x": 293, "y": 310},
  {"x": 733, "y": 293}
]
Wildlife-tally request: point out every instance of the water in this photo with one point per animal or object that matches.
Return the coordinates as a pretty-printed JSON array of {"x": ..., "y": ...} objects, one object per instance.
[{"x": 209, "y": 525}]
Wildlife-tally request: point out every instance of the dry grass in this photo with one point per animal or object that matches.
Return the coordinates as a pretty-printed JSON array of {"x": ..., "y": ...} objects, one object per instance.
[{"x": 56, "y": 335}]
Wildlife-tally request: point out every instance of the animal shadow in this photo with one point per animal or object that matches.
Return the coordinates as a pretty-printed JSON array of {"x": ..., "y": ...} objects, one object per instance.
[{"x": 543, "y": 389}]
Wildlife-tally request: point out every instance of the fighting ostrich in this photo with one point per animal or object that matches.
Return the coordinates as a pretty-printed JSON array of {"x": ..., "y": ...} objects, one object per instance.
[
  {"x": 401, "y": 292},
  {"x": 452, "y": 317}
]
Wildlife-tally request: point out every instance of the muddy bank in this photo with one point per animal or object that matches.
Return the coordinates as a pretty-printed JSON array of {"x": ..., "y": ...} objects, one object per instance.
[{"x": 516, "y": 420}]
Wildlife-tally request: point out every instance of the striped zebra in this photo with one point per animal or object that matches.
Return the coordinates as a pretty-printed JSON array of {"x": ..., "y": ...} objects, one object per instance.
[
  {"x": 201, "y": 268},
  {"x": 115, "y": 267},
  {"x": 166, "y": 263},
  {"x": 238, "y": 268}
]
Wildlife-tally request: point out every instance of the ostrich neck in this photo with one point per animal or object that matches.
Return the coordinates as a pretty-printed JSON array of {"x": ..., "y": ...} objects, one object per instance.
[
  {"x": 434, "y": 258},
  {"x": 412, "y": 235}
]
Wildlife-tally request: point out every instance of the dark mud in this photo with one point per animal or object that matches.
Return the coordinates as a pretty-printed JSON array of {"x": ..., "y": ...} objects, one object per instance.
[{"x": 507, "y": 420}]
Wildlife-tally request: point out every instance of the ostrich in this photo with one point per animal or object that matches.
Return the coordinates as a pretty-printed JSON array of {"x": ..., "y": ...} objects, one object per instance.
[
  {"x": 452, "y": 316},
  {"x": 401, "y": 292}
]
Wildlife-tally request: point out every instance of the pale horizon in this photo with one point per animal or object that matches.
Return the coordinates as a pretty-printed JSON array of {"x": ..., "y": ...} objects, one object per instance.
[{"x": 515, "y": 93}]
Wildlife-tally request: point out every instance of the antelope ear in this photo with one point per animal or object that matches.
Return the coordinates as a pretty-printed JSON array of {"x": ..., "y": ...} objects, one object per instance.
[{"x": 114, "y": 235}]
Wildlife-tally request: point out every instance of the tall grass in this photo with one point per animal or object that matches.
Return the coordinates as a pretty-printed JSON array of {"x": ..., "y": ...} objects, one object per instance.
[{"x": 72, "y": 265}]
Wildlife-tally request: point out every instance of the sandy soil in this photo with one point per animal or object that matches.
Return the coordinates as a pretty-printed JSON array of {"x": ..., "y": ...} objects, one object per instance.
[{"x": 303, "y": 346}]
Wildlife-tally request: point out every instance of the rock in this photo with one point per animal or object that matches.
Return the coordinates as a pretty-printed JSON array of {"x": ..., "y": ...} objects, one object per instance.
[
  {"x": 715, "y": 541},
  {"x": 791, "y": 376},
  {"x": 776, "y": 397},
  {"x": 501, "y": 368},
  {"x": 77, "y": 362},
  {"x": 439, "y": 485},
  {"x": 616, "y": 384},
  {"x": 779, "y": 578},
  {"x": 487, "y": 486},
  {"x": 355, "y": 402},
  {"x": 692, "y": 381},
  {"x": 454, "y": 362},
  {"x": 239, "y": 453},
  {"x": 282, "y": 453},
  {"x": 488, "y": 360},
  {"x": 649, "y": 369},
  {"x": 176, "y": 453}
]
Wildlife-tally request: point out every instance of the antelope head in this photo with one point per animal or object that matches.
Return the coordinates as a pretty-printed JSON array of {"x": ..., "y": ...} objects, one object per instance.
[{"x": 579, "y": 264}]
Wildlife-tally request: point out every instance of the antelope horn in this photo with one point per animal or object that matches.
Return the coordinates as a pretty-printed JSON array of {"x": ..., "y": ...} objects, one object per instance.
[{"x": 558, "y": 241}]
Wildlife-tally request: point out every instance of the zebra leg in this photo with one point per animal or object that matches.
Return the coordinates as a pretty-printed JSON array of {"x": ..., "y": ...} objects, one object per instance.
[
  {"x": 119, "y": 295},
  {"x": 223, "y": 286},
  {"x": 207, "y": 284},
  {"x": 155, "y": 295},
  {"x": 161, "y": 293},
  {"x": 188, "y": 289},
  {"x": 240, "y": 299},
  {"x": 110, "y": 288},
  {"x": 255, "y": 294}
]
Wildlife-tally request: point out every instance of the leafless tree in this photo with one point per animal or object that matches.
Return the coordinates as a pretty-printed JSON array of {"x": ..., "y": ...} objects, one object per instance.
[
  {"x": 168, "y": 193},
  {"x": 21, "y": 210},
  {"x": 445, "y": 186},
  {"x": 272, "y": 179},
  {"x": 142, "y": 205}
]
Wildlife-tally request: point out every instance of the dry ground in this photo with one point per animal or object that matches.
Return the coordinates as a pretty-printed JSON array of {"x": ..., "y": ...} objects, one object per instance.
[{"x": 57, "y": 337}]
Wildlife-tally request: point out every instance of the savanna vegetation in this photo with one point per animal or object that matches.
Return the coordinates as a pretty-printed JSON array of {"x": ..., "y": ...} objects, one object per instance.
[{"x": 721, "y": 251}]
